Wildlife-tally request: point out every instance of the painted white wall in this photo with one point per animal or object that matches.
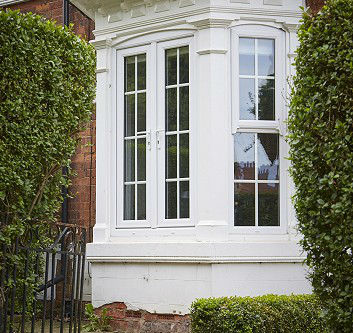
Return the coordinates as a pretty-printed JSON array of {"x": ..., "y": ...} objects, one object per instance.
[{"x": 165, "y": 269}]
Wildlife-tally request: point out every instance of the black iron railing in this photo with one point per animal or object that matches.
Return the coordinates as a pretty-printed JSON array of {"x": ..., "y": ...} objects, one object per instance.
[{"x": 41, "y": 285}]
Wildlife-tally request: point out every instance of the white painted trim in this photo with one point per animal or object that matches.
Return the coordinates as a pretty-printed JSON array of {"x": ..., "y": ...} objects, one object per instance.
[
  {"x": 195, "y": 260},
  {"x": 4, "y": 3}
]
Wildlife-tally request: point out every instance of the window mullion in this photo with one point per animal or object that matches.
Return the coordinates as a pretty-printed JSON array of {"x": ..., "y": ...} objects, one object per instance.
[
  {"x": 136, "y": 138},
  {"x": 178, "y": 156},
  {"x": 256, "y": 184},
  {"x": 256, "y": 83}
]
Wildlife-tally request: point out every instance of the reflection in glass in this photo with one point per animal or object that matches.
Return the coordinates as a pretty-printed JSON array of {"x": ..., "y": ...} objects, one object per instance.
[
  {"x": 247, "y": 56},
  {"x": 268, "y": 156},
  {"x": 184, "y": 64},
  {"x": 129, "y": 202},
  {"x": 184, "y": 155},
  {"x": 141, "y": 72},
  {"x": 266, "y": 57},
  {"x": 244, "y": 156},
  {"x": 266, "y": 99},
  {"x": 141, "y": 159},
  {"x": 171, "y": 200},
  {"x": 141, "y": 201},
  {"x": 141, "y": 112},
  {"x": 171, "y": 112},
  {"x": 171, "y": 156},
  {"x": 268, "y": 213},
  {"x": 184, "y": 199},
  {"x": 183, "y": 108},
  {"x": 171, "y": 66},
  {"x": 130, "y": 73},
  {"x": 130, "y": 115},
  {"x": 129, "y": 155},
  {"x": 244, "y": 204},
  {"x": 247, "y": 99}
]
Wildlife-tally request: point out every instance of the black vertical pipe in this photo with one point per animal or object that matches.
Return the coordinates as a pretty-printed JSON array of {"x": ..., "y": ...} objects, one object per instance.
[{"x": 64, "y": 210}]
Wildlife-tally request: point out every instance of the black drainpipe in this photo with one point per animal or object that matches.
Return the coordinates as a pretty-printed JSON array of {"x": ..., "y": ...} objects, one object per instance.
[{"x": 64, "y": 210}]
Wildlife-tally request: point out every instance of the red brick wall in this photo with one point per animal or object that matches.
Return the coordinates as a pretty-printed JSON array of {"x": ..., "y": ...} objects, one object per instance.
[
  {"x": 81, "y": 208},
  {"x": 315, "y": 5}
]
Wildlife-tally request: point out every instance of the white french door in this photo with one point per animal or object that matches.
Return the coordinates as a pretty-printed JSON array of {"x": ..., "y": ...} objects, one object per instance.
[{"x": 153, "y": 135}]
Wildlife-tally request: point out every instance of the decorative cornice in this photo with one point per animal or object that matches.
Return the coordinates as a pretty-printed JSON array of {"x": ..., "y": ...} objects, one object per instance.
[
  {"x": 211, "y": 23},
  {"x": 291, "y": 27},
  {"x": 101, "y": 44},
  {"x": 195, "y": 260},
  {"x": 213, "y": 51}
]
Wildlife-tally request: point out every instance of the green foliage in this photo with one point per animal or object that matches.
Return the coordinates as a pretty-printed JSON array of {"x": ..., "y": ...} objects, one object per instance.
[
  {"x": 47, "y": 87},
  {"x": 263, "y": 314},
  {"x": 97, "y": 322},
  {"x": 321, "y": 150}
]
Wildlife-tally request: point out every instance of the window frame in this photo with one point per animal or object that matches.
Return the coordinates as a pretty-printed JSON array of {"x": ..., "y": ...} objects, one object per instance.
[{"x": 261, "y": 126}]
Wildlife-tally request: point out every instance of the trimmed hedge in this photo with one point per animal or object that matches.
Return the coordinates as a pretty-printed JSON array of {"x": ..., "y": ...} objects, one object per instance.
[
  {"x": 321, "y": 152},
  {"x": 263, "y": 314}
]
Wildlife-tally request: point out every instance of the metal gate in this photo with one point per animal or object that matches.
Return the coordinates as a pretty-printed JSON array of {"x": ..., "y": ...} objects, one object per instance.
[{"x": 41, "y": 285}]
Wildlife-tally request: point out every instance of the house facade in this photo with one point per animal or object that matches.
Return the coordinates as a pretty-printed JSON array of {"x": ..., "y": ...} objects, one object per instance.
[{"x": 193, "y": 195}]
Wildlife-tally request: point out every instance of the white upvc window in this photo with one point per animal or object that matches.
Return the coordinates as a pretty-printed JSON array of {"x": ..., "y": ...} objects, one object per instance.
[
  {"x": 153, "y": 135},
  {"x": 258, "y": 104}
]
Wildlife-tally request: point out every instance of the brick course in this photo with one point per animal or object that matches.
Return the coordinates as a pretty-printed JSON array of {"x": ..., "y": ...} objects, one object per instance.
[
  {"x": 315, "y": 5},
  {"x": 138, "y": 321}
]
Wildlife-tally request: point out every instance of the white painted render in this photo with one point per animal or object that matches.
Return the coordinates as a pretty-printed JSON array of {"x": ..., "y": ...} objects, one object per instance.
[{"x": 164, "y": 269}]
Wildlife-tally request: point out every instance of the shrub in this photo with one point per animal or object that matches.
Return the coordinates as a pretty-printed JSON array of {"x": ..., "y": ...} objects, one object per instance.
[
  {"x": 321, "y": 150},
  {"x": 47, "y": 87},
  {"x": 263, "y": 314}
]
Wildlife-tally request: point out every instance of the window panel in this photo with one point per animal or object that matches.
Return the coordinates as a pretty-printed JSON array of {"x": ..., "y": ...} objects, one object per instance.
[
  {"x": 268, "y": 204},
  {"x": 129, "y": 115},
  {"x": 247, "y": 56},
  {"x": 266, "y": 57},
  {"x": 247, "y": 99},
  {"x": 268, "y": 156},
  {"x": 266, "y": 95},
  {"x": 244, "y": 156},
  {"x": 171, "y": 66},
  {"x": 184, "y": 155},
  {"x": 184, "y": 108},
  {"x": 171, "y": 200},
  {"x": 141, "y": 112},
  {"x": 244, "y": 204},
  {"x": 135, "y": 138},
  {"x": 177, "y": 133},
  {"x": 129, "y": 202},
  {"x": 184, "y": 199}
]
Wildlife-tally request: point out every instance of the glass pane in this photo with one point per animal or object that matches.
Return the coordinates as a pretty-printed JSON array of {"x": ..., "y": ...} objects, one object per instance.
[
  {"x": 141, "y": 72},
  {"x": 244, "y": 204},
  {"x": 130, "y": 73},
  {"x": 130, "y": 115},
  {"x": 129, "y": 155},
  {"x": 184, "y": 200},
  {"x": 247, "y": 99},
  {"x": 268, "y": 204},
  {"x": 183, "y": 108},
  {"x": 141, "y": 112},
  {"x": 141, "y": 202},
  {"x": 268, "y": 156},
  {"x": 266, "y": 99},
  {"x": 247, "y": 56},
  {"x": 244, "y": 156},
  {"x": 184, "y": 155},
  {"x": 141, "y": 159},
  {"x": 184, "y": 64},
  {"x": 171, "y": 112},
  {"x": 171, "y": 200},
  {"x": 266, "y": 57},
  {"x": 129, "y": 202},
  {"x": 171, "y": 156},
  {"x": 171, "y": 66}
]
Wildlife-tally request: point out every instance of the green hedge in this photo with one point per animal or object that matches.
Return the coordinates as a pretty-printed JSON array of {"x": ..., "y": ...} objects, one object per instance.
[
  {"x": 263, "y": 314},
  {"x": 321, "y": 152}
]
